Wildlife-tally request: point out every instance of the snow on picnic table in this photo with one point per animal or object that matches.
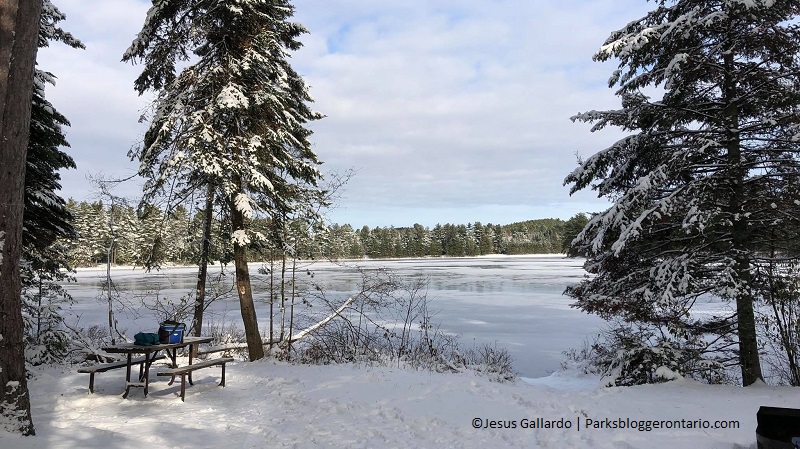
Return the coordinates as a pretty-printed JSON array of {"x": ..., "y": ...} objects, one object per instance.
[{"x": 275, "y": 405}]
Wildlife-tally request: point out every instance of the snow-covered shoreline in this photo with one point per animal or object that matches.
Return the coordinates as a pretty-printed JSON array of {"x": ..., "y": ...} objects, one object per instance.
[
  {"x": 270, "y": 404},
  {"x": 102, "y": 267}
]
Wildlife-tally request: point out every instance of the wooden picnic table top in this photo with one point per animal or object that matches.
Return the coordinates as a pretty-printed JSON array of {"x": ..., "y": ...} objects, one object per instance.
[{"x": 128, "y": 348}]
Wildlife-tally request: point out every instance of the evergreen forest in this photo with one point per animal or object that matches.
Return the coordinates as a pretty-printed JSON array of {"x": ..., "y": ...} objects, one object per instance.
[{"x": 148, "y": 236}]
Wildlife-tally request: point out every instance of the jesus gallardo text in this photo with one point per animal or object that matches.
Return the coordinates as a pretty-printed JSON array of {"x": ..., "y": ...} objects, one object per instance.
[{"x": 579, "y": 423}]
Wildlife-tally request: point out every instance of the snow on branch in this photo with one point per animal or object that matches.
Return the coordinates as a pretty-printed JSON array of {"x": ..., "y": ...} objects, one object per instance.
[
  {"x": 244, "y": 204},
  {"x": 232, "y": 97},
  {"x": 753, "y": 3}
]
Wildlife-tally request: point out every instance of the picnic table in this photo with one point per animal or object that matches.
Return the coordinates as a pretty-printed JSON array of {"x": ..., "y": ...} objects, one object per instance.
[{"x": 150, "y": 355}]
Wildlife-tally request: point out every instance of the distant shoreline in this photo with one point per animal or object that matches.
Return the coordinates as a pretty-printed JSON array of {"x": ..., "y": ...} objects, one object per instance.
[{"x": 217, "y": 264}]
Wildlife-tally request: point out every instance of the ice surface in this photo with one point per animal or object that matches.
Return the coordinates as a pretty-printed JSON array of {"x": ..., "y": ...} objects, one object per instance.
[{"x": 514, "y": 302}]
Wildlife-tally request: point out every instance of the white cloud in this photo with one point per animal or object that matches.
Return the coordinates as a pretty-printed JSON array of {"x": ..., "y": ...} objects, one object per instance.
[
  {"x": 440, "y": 105},
  {"x": 94, "y": 90},
  {"x": 467, "y": 106}
]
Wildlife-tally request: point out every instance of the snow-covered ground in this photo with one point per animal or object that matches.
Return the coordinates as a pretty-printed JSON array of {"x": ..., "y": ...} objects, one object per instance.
[{"x": 276, "y": 405}]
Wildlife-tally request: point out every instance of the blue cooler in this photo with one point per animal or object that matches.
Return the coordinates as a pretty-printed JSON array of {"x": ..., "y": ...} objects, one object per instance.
[{"x": 175, "y": 330}]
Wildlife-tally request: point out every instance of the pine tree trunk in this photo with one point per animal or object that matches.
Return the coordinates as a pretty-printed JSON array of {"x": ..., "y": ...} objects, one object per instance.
[
  {"x": 271, "y": 297},
  {"x": 202, "y": 272},
  {"x": 291, "y": 310},
  {"x": 745, "y": 314},
  {"x": 283, "y": 294},
  {"x": 255, "y": 346},
  {"x": 746, "y": 321},
  {"x": 109, "y": 288},
  {"x": 19, "y": 31}
]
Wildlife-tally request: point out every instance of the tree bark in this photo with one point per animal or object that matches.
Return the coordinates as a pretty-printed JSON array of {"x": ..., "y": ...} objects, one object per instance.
[
  {"x": 19, "y": 31},
  {"x": 271, "y": 297},
  {"x": 202, "y": 272},
  {"x": 255, "y": 346},
  {"x": 109, "y": 286},
  {"x": 283, "y": 293},
  {"x": 291, "y": 307},
  {"x": 745, "y": 314}
]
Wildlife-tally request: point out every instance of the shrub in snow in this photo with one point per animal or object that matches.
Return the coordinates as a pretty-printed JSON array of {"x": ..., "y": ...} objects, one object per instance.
[
  {"x": 86, "y": 344},
  {"x": 491, "y": 361},
  {"x": 585, "y": 359},
  {"x": 643, "y": 364},
  {"x": 440, "y": 353},
  {"x": 634, "y": 355},
  {"x": 391, "y": 324},
  {"x": 779, "y": 321},
  {"x": 231, "y": 336},
  {"x": 46, "y": 339}
]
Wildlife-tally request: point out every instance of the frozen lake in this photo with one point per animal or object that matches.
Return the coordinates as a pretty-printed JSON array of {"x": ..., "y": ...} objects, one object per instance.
[{"x": 515, "y": 302}]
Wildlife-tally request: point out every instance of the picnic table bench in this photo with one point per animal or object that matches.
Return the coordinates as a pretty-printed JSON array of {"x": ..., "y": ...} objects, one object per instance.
[
  {"x": 151, "y": 353},
  {"x": 183, "y": 371},
  {"x": 103, "y": 367}
]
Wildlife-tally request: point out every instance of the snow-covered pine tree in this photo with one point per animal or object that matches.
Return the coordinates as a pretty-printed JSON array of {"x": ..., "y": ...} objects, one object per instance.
[
  {"x": 233, "y": 119},
  {"x": 91, "y": 224},
  {"x": 572, "y": 228},
  {"x": 708, "y": 174},
  {"x": 47, "y": 222}
]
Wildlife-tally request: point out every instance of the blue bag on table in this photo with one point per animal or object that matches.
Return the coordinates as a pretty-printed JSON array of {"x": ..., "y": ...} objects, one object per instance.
[{"x": 171, "y": 332}]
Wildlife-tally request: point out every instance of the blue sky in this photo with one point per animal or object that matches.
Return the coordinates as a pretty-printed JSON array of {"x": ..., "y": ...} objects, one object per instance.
[{"x": 449, "y": 111}]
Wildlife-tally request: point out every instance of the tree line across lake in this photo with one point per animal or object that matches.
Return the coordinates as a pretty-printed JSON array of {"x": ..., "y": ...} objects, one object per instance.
[{"x": 148, "y": 235}]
